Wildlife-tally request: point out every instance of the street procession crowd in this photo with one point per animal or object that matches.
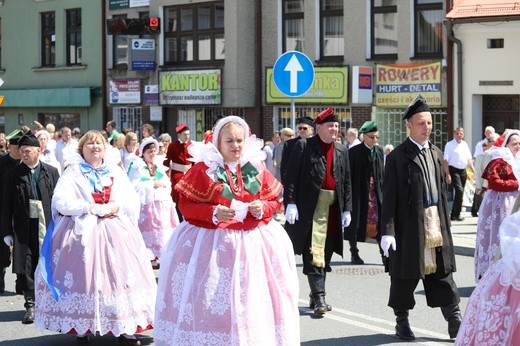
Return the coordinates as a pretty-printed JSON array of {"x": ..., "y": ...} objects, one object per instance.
[{"x": 87, "y": 218}]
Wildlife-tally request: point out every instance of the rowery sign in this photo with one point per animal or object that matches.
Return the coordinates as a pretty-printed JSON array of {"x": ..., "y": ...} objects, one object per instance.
[
  {"x": 190, "y": 87},
  {"x": 398, "y": 85}
]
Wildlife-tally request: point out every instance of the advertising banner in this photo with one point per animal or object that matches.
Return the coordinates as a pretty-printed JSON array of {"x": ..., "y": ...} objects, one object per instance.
[
  {"x": 397, "y": 85},
  {"x": 330, "y": 86},
  {"x": 117, "y": 4},
  {"x": 143, "y": 54},
  {"x": 190, "y": 87},
  {"x": 125, "y": 91},
  {"x": 151, "y": 94},
  {"x": 362, "y": 84}
]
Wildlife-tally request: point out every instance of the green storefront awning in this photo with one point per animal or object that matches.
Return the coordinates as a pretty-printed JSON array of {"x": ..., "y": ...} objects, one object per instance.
[{"x": 58, "y": 97}]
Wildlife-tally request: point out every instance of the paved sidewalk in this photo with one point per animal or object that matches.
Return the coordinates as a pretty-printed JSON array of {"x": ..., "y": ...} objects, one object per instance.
[{"x": 464, "y": 234}]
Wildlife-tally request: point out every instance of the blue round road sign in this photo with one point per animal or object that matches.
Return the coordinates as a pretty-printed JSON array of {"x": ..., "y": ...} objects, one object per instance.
[{"x": 293, "y": 73}]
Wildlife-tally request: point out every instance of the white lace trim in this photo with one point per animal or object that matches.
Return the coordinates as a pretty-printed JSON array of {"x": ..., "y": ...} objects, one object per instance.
[{"x": 209, "y": 154}]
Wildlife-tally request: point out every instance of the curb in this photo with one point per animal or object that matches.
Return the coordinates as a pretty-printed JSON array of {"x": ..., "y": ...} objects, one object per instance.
[{"x": 463, "y": 250}]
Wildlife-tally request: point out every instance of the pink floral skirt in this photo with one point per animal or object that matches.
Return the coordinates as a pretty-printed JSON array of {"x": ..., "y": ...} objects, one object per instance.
[
  {"x": 107, "y": 282},
  {"x": 225, "y": 287}
]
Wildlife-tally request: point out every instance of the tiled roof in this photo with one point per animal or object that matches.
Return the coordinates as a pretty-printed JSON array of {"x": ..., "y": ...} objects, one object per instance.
[{"x": 484, "y": 8}]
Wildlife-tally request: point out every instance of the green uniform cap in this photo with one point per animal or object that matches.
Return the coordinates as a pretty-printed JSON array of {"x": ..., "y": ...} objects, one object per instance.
[
  {"x": 14, "y": 136},
  {"x": 368, "y": 126}
]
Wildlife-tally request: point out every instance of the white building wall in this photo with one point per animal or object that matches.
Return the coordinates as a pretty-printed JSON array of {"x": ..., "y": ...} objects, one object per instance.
[{"x": 483, "y": 64}]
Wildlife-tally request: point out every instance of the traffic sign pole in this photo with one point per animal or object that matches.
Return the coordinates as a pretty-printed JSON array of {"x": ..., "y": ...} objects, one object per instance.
[{"x": 293, "y": 114}]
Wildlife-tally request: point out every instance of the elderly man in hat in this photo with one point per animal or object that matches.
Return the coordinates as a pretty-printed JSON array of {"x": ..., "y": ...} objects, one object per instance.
[
  {"x": 177, "y": 157},
  {"x": 366, "y": 169},
  {"x": 318, "y": 194},
  {"x": 305, "y": 127},
  {"x": 416, "y": 232},
  {"x": 27, "y": 196},
  {"x": 7, "y": 162}
]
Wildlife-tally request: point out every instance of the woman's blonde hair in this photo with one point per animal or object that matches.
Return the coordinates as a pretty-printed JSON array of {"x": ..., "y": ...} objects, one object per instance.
[
  {"x": 119, "y": 141},
  {"x": 90, "y": 136}
]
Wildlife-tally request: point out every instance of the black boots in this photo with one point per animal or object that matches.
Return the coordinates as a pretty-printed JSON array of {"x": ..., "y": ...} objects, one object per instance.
[
  {"x": 311, "y": 297},
  {"x": 2, "y": 279},
  {"x": 354, "y": 252},
  {"x": 29, "y": 306},
  {"x": 317, "y": 285},
  {"x": 311, "y": 303},
  {"x": 452, "y": 314},
  {"x": 355, "y": 259},
  {"x": 402, "y": 328}
]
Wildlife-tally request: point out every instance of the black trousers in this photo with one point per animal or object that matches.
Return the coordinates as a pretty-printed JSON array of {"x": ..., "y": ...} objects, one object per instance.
[
  {"x": 458, "y": 182},
  {"x": 439, "y": 288},
  {"x": 477, "y": 201},
  {"x": 5, "y": 254},
  {"x": 308, "y": 267}
]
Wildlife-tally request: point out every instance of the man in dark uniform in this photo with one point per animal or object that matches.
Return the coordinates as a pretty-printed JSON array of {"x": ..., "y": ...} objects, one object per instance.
[
  {"x": 27, "y": 196},
  {"x": 305, "y": 127},
  {"x": 416, "y": 225},
  {"x": 7, "y": 162},
  {"x": 319, "y": 200},
  {"x": 366, "y": 169}
]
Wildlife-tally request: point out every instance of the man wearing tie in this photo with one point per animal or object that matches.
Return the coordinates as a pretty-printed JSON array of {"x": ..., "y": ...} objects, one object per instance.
[
  {"x": 27, "y": 195},
  {"x": 416, "y": 225}
]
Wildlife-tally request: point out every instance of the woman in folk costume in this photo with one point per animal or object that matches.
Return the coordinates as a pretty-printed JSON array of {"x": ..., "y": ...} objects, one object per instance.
[
  {"x": 498, "y": 200},
  {"x": 93, "y": 275},
  {"x": 492, "y": 316},
  {"x": 228, "y": 275},
  {"x": 158, "y": 217}
]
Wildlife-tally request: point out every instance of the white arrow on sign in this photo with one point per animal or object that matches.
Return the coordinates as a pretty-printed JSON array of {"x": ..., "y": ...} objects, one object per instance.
[{"x": 293, "y": 67}]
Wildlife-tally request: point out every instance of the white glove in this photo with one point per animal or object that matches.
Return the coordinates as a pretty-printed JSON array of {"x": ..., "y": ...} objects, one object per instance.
[
  {"x": 8, "y": 239},
  {"x": 345, "y": 218},
  {"x": 386, "y": 241},
  {"x": 291, "y": 213}
]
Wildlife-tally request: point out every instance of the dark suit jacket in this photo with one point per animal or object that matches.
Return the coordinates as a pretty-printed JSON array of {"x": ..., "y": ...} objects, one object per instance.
[
  {"x": 303, "y": 179},
  {"x": 288, "y": 146},
  {"x": 15, "y": 216},
  {"x": 360, "y": 168},
  {"x": 6, "y": 163},
  {"x": 403, "y": 211}
]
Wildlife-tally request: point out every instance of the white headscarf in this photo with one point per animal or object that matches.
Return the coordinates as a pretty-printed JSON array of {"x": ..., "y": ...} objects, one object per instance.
[
  {"x": 146, "y": 142},
  {"x": 210, "y": 155}
]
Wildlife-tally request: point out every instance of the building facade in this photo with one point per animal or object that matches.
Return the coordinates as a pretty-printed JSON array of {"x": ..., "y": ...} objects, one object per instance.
[
  {"x": 486, "y": 75},
  {"x": 170, "y": 61},
  {"x": 51, "y": 63},
  {"x": 216, "y": 58}
]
